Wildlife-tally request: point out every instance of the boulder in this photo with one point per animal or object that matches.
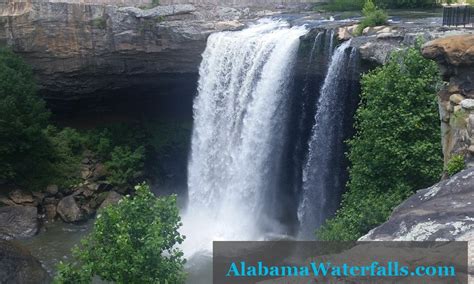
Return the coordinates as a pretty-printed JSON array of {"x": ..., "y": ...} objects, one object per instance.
[
  {"x": 443, "y": 212},
  {"x": 456, "y": 99},
  {"x": 18, "y": 222},
  {"x": 468, "y": 104},
  {"x": 17, "y": 265},
  {"x": 455, "y": 50},
  {"x": 52, "y": 190},
  {"x": 69, "y": 210},
  {"x": 21, "y": 197},
  {"x": 99, "y": 172},
  {"x": 111, "y": 199}
]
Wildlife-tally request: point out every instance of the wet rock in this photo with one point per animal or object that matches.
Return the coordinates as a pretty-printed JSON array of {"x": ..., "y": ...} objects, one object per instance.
[
  {"x": 111, "y": 199},
  {"x": 18, "y": 222},
  {"x": 443, "y": 212},
  {"x": 69, "y": 210},
  {"x": 17, "y": 265}
]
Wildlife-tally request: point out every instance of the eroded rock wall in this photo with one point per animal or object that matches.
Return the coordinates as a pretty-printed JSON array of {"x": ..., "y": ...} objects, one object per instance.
[
  {"x": 79, "y": 49},
  {"x": 455, "y": 56}
]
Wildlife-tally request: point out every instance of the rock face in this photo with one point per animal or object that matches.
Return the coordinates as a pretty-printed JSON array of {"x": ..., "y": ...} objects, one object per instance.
[
  {"x": 18, "y": 222},
  {"x": 17, "y": 265},
  {"x": 455, "y": 56},
  {"x": 455, "y": 50},
  {"x": 443, "y": 212},
  {"x": 79, "y": 49}
]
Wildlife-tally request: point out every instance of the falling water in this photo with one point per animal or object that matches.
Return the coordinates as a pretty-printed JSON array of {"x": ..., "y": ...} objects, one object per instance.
[
  {"x": 321, "y": 173},
  {"x": 239, "y": 131}
]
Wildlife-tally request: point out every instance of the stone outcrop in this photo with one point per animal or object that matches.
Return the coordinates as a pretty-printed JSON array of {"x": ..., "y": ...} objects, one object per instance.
[
  {"x": 18, "y": 222},
  {"x": 455, "y": 56},
  {"x": 79, "y": 49},
  {"x": 17, "y": 265},
  {"x": 376, "y": 43},
  {"x": 69, "y": 210},
  {"x": 443, "y": 212}
]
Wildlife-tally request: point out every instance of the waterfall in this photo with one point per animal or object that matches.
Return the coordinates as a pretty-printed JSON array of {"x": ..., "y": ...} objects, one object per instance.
[
  {"x": 240, "y": 116},
  {"x": 322, "y": 182}
]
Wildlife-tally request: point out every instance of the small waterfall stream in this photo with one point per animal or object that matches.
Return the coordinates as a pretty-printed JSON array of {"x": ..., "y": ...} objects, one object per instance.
[{"x": 322, "y": 172}]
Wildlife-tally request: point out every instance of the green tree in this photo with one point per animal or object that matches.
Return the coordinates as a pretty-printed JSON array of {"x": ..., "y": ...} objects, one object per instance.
[
  {"x": 125, "y": 165},
  {"x": 397, "y": 146},
  {"x": 132, "y": 242},
  {"x": 24, "y": 148},
  {"x": 373, "y": 16}
]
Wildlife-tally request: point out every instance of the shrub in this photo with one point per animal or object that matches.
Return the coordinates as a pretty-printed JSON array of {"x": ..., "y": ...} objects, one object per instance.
[
  {"x": 99, "y": 23},
  {"x": 455, "y": 165},
  {"x": 125, "y": 165},
  {"x": 132, "y": 242},
  {"x": 24, "y": 149},
  {"x": 68, "y": 146},
  {"x": 397, "y": 147},
  {"x": 373, "y": 16}
]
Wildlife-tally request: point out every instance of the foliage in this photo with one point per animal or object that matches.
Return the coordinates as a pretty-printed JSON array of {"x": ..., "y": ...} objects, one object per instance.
[
  {"x": 352, "y": 5},
  {"x": 373, "y": 16},
  {"x": 99, "y": 23},
  {"x": 132, "y": 242},
  {"x": 125, "y": 165},
  {"x": 68, "y": 146},
  {"x": 24, "y": 148},
  {"x": 455, "y": 165},
  {"x": 397, "y": 146}
]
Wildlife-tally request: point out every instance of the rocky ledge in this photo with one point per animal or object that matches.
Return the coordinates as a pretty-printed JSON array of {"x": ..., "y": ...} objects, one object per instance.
[
  {"x": 443, "y": 212},
  {"x": 79, "y": 49},
  {"x": 455, "y": 56}
]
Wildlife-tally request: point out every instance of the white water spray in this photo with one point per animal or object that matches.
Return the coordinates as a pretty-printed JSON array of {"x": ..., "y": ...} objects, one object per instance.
[{"x": 239, "y": 124}]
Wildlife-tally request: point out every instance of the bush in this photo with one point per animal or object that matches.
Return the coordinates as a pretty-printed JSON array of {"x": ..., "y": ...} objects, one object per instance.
[
  {"x": 132, "y": 242},
  {"x": 68, "y": 146},
  {"x": 125, "y": 165},
  {"x": 455, "y": 165},
  {"x": 397, "y": 147},
  {"x": 24, "y": 149},
  {"x": 373, "y": 16}
]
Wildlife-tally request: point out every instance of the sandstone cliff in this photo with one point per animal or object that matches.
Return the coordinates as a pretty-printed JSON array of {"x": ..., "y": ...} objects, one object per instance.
[{"x": 78, "y": 49}]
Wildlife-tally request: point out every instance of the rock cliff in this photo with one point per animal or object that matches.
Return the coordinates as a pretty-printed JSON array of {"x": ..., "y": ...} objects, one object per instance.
[
  {"x": 455, "y": 56},
  {"x": 79, "y": 49}
]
